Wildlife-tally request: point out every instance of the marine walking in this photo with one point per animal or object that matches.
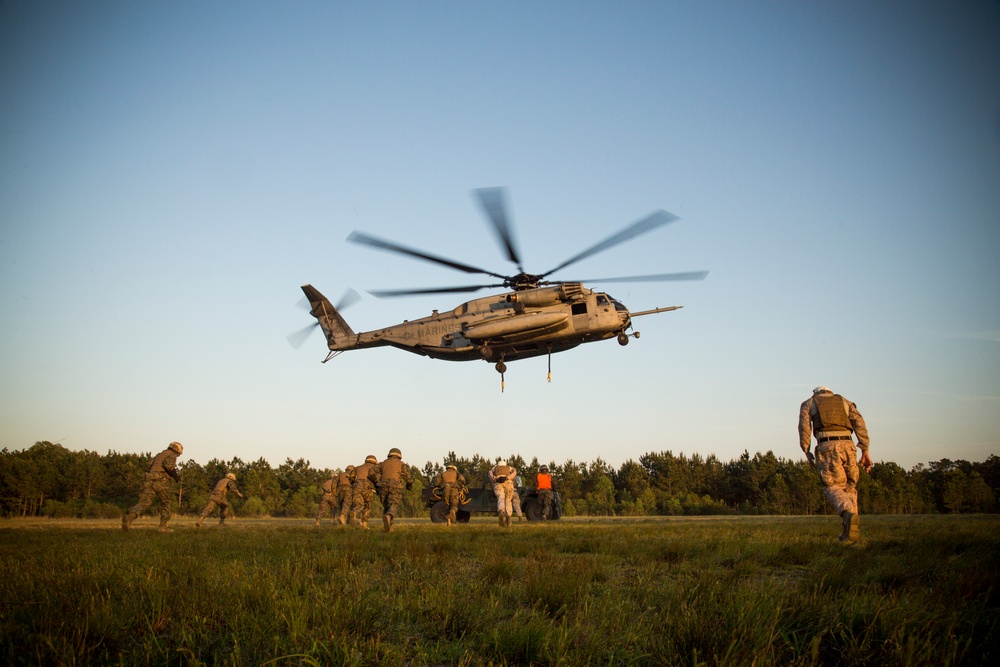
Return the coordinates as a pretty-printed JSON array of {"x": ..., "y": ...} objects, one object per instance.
[{"x": 833, "y": 420}]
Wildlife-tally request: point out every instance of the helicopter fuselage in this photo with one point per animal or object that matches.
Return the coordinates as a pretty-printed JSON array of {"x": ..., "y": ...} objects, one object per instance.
[{"x": 503, "y": 327}]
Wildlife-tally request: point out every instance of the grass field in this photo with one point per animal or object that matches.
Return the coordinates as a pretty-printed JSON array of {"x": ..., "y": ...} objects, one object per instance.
[{"x": 917, "y": 590}]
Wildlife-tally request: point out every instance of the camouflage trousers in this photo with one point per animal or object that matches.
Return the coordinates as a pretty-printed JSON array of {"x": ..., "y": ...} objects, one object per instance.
[
  {"x": 837, "y": 464},
  {"x": 328, "y": 502},
  {"x": 450, "y": 494},
  {"x": 545, "y": 499},
  {"x": 390, "y": 494},
  {"x": 505, "y": 493},
  {"x": 153, "y": 489},
  {"x": 361, "y": 502},
  {"x": 214, "y": 500},
  {"x": 345, "y": 496}
]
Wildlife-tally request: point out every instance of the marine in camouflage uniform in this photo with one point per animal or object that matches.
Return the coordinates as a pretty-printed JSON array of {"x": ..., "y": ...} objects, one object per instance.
[
  {"x": 515, "y": 498},
  {"x": 219, "y": 497},
  {"x": 502, "y": 476},
  {"x": 451, "y": 482},
  {"x": 345, "y": 494},
  {"x": 337, "y": 496},
  {"x": 395, "y": 473},
  {"x": 832, "y": 419},
  {"x": 156, "y": 485},
  {"x": 366, "y": 476}
]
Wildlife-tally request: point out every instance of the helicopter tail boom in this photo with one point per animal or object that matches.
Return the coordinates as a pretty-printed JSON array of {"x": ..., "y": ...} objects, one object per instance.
[{"x": 338, "y": 334}]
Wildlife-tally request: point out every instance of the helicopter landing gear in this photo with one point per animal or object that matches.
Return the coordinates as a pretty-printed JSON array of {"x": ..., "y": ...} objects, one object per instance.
[{"x": 623, "y": 337}]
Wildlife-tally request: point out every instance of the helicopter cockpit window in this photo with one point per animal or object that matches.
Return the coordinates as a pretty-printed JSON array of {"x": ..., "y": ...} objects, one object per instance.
[
  {"x": 579, "y": 308},
  {"x": 602, "y": 300},
  {"x": 619, "y": 306}
]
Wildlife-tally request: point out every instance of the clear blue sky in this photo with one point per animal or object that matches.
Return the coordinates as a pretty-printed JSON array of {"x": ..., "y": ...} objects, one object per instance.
[{"x": 171, "y": 172}]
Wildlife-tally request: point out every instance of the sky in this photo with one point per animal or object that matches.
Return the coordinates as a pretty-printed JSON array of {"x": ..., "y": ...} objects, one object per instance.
[{"x": 172, "y": 172}]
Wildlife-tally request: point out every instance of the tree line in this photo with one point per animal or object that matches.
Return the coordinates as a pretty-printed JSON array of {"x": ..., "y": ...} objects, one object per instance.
[{"x": 49, "y": 480}]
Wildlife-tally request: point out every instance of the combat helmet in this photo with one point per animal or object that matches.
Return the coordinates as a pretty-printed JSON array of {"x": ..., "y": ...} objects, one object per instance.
[
  {"x": 394, "y": 452},
  {"x": 451, "y": 466},
  {"x": 349, "y": 469},
  {"x": 231, "y": 476},
  {"x": 177, "y": 447},
  {"x": 371, "y": 459},
  {"x": 543, "y": 469}
]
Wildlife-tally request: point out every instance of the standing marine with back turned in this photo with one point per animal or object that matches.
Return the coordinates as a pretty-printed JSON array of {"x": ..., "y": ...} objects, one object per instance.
[
  {"x": 832, "y": 419},
  {"x": 545, "y": 486},
  {"x": 502, "y": 477}
]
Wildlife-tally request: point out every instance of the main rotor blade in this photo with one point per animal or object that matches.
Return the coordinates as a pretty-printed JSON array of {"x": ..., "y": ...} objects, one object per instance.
[
  {"x": 655, "y": 277},
  {"x": 431, "y": 290},
  {"x": 365, "y": 239},
  {"x": 647, "y": 224},
  {"x": 492, "y": 201}
]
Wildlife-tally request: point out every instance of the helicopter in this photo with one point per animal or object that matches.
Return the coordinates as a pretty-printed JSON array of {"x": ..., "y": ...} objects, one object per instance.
[{"x": 533, "y": 317}]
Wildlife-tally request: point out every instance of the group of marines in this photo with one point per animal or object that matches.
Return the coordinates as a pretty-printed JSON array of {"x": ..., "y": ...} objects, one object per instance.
[
  {"x": 350, "y": 493},
  {"x": 156, "y": 486},
  {"x": 832, "y": 419}
]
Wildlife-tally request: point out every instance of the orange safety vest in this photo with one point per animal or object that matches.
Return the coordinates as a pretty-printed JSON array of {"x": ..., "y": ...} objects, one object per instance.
[{"x": 544, "y": 481}]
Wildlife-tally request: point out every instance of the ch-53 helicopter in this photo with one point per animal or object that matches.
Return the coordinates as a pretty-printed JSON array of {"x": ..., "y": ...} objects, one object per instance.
[{"x": 537, "y": 317}]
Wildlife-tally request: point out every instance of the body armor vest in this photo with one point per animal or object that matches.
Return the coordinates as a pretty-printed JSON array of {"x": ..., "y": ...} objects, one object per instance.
[
  {"x": 544, "y": 481},
  {"x": 449, "y": 476},
  {"x": 502, "y": 471},
  {"x": 164, "y": 461},
  {"x": 361, "y": 472},
  {"x": 831, "y": 413},
  {"x": 390, "y": 468},
  {"x": 344, "y": 479},
  {"x": 221, "y": 486},
  {"x": 328, "y": 486}
]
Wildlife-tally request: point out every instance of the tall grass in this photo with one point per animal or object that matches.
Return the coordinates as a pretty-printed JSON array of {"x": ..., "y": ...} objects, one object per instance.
[{"x": 724, "y": 591}]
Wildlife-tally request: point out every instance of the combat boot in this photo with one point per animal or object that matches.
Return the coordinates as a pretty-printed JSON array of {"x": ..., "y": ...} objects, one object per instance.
[
  {"x": 163, "y": 528},
  {"x": 222, "y": 521},
  {"x": 127, "y": 520},
  {"x": 852, "y": 527},
  {"x": 501, "y": 516},
  {"x": 387, "y": 522},
  {"x": 318, "y": 522},
  {"x": 200, "y": 521},
  {"x": 341, "y": 520}
]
